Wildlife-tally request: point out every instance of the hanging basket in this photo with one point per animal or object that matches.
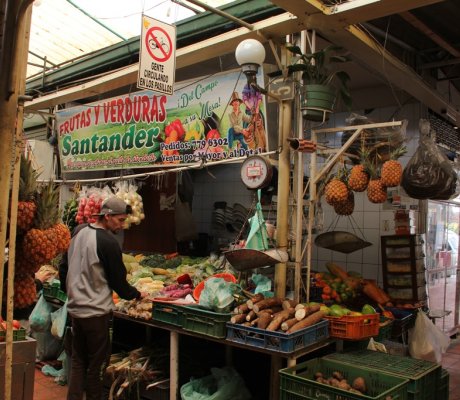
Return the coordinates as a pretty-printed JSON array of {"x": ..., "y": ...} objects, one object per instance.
[
  {"x": 317, "y": 102},
  {"x": 341, "y": 241},
  {"x": 244, "y": 259}
]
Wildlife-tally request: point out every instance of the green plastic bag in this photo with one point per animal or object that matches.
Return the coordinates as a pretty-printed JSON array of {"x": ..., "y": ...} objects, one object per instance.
[
  {"x": 258, "y": 236},
  {"x": 223, "y": 384},
  {"x": 217, "y": 295},
  {"x": 40, "y": 317}
]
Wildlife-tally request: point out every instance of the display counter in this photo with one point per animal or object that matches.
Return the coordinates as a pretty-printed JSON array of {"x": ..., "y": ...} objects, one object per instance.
[{"x": 175, "y": 331}]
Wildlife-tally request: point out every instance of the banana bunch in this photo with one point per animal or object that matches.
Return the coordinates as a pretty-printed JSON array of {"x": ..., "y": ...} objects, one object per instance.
[{"x": 69, "y": 214}]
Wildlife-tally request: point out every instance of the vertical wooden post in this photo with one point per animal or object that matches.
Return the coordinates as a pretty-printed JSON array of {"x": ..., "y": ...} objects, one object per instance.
[{"x": 19, "y": 15}]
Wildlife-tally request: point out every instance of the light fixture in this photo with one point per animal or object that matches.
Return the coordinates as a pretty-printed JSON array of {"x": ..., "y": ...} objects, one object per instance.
[{"x": 250, "y": 54}]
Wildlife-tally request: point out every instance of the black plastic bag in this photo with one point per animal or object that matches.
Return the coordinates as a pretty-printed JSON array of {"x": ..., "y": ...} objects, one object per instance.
[{"x": 429, "y": 174}]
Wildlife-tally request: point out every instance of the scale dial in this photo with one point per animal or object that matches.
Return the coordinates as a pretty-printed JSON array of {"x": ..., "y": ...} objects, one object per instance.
[{"x": 256, "y": 172}]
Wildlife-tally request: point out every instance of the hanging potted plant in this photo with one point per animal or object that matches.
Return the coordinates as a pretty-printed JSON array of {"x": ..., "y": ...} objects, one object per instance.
[{"x": 321, "y": 83}]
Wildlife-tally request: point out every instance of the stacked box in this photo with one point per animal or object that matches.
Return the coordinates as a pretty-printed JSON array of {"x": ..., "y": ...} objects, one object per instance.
[
  {"x": 423, "y": 375},
  {"x": 199, "y": 320},
  {"x": 278, "y": 341},
  {"x": 299, "y": 382},
  {"x": 168, "y": 313}
]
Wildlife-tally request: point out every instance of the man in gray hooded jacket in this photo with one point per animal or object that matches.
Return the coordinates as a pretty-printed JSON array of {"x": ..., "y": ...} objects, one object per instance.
[{"x": 92, "y": 270}]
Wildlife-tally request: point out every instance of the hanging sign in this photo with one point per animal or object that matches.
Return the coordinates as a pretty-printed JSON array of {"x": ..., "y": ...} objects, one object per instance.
[
  {"x": 209, "y": 119},
  {"x": 157, "y": 57}
]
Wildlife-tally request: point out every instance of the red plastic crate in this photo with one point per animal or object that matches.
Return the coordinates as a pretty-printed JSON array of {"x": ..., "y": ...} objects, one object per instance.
[{"x": 354, "y": 327}]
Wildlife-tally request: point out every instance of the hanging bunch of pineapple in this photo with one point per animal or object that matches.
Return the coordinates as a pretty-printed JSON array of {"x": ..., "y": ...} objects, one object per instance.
[
  {"x": 48, "y": 237},
  {"x": 26, "y": 195},
  {"x": 391, "y": 172},
  {"x": 358, "y": 177},
  {"x": 346, "y": 207},
  {"x": 336, "y": 191}
]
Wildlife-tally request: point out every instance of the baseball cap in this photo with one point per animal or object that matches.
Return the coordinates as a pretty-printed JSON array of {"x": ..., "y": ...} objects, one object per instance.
[{"x": 114, "y": 206}]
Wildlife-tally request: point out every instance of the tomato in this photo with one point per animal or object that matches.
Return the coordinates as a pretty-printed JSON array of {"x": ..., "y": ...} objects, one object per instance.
[
  {"x": 213, "y": 134},
  {"x": 327, "y": 290}
]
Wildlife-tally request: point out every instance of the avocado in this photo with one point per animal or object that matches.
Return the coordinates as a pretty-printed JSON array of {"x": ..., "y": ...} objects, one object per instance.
[{"x": 368, "y": 309}]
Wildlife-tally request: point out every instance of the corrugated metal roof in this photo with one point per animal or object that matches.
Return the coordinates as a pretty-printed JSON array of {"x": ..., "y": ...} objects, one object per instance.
[{"x": 63, "y": 30}]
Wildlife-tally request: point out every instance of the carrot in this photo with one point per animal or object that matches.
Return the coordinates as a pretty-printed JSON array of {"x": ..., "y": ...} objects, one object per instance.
[
  {"x": 279, "y": 318},
  {"x": 306, "y": 322}
]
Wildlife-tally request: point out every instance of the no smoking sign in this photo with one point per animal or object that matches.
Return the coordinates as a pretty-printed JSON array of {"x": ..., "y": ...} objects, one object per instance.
[{"x": 157, "y": 58}]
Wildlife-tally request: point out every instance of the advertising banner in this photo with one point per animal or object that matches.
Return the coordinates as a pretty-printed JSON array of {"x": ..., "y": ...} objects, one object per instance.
[{"x": 213, "y": 118}]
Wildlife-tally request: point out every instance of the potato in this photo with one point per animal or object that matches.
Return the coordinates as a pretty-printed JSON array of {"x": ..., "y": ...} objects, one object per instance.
[
  {"x": 343, "y": 384},
  {"x": 318, "y": 375},
  {"x": 359, "y": 384},
  {"x": 337, "y": 375}
]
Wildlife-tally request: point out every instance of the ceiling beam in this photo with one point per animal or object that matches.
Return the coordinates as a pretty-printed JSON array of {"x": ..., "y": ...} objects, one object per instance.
[
  {"x": 425, "y": 29},
  {"x": 316, "y": 11},
  {"x": 185, "y": 56},
  {"x": 342, "y": 29}
]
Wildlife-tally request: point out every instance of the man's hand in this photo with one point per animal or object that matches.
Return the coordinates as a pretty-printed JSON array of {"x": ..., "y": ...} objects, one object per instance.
[{"x": 43, "y": 275}]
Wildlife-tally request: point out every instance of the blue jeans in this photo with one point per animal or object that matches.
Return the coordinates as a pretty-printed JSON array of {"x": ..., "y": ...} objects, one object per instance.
[{"x": 232, "y": 135}]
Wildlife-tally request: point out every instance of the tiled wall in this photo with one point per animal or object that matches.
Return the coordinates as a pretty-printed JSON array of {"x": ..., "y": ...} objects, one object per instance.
[{"x": 223, "y": 183}]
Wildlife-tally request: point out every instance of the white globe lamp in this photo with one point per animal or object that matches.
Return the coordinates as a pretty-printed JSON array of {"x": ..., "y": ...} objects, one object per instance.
[{"x": 250, "y": 54}]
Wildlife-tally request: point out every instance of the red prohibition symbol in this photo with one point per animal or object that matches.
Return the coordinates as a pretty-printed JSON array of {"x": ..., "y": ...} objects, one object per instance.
[{"x": 158, "y": 44}]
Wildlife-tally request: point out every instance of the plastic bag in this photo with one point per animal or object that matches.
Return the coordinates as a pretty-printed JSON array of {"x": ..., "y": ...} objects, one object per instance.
[
  {"x": 426, "y": 340},
  {"x": 217, "y": 295},
  {"x": 263, "y": 285},
  {"x": 59, "y": 320},
  {"x": 40, "y": 317},
  {"x": 223, "y": 384},
  {"x": 429, "y": 174},
  {"x": 48, "y": 347}
]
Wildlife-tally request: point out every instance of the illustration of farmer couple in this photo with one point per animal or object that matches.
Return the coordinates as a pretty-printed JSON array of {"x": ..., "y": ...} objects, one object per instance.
[{"x": 246, "y": 127}]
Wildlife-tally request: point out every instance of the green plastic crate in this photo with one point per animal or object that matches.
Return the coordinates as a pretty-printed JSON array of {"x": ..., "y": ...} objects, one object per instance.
[
  {"x": 443, "y": 386},
  {"x": 18, "y": 334},
  {"x": 196, "y": 319},
  {"x": 168, "y": 313},
  {"x": 298, "y": 382},
  {"x": 423, "y": 375}
]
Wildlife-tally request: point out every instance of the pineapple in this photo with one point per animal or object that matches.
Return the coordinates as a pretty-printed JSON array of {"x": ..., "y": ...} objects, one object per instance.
[
  {"x": 346, "y": 207},
  {"x": 358, "y": 178},
  {"x": 376, "y": 191},
  {"x": 392, "y": 170},
  {"x": 62, "y": 237},
  {"x": 25, "y": 291},
  {"x": 336, "y": 191},
  {"x": 40, "y": 244},
  {"x": 23, "y": 264},
  {"x": 27, "y": 191}
]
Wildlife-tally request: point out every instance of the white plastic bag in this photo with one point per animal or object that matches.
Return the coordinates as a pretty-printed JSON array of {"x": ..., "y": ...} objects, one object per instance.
[
  {"x": 59, "y": 321},
  {"x": 426, "y": 340}
]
